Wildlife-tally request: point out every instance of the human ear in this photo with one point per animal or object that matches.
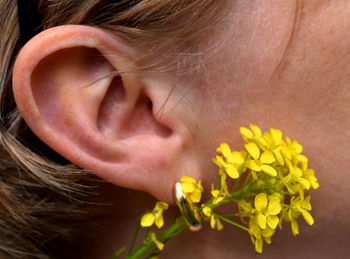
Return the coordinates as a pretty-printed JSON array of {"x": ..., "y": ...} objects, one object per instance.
[{"x": 78, "y": 90}]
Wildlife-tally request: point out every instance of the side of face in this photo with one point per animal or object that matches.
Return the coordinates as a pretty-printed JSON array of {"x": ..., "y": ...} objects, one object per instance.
[
  {"x": 285, "y": 65},
  {"x": 278, "y": 64}
]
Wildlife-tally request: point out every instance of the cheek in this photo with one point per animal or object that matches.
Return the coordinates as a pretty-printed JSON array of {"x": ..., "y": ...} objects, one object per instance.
[
  {"x": 233, "y": 88},
  {"x": 237, "y": 89}
]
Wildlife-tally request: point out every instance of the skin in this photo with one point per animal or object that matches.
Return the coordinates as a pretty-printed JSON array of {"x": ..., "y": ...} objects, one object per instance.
[
  {"x": 300, "y": 85},
  {"x": 271, "y": 66},
  {"x": 258, "y": 75}
]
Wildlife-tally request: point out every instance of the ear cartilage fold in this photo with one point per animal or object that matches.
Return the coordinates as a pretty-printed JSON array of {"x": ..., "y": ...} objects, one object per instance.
[{"x": 188, "y": 209}]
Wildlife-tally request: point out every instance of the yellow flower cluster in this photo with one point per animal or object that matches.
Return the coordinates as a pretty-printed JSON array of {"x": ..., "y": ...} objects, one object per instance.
[
  {"x": 267, "y": 181},
  {"x": 277, "y": 173}
]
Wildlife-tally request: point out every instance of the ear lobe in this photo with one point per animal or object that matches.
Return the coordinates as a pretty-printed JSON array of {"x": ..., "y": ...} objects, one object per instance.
[{"x": 71, "y": 87}]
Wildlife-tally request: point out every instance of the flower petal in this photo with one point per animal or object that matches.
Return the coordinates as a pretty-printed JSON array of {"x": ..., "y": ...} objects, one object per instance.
[
  {"x": 219, "y": 161},
  {"x": 261, "y": 220},
  {"x": 302, "y": 158},
  {"x": 278, "y": 156},
  {"x": 305, "y": 204},
  {"x": 160, "y": 205},
  {"x": 207, "y": 211},
  {"x": 187, "y": 179},
  {"x": 154, "y": 239},
  {"x": 274, "y": 206},
  {"x": 295, "y": 227},
  {"x": 269, "y": 170},
  {"x": 253, "y": 150},
  {"x": 237, "y": 157},
  {"x": 232, "y": 171},
  {"x": 147, "y": 220},
  {"x": 305, "y": 183},
  {"x": 297, "y": 172},
  {"x": 263, "y": 142},
  {"x": 287, "y": 152},
  {"x": 297, "y": 147},
  {"x": 259, "y": 245},
  {"x": 256, "y": 130},
  {"x": 276, "y": 136},
  {"x": 268, "y": 232},
  {"x": 251, "y": 164},
  {"x": 272, "y": 221},
  {"x": 308, "y": 218},
  {"x": 225, "y": 149},
  {"x": 246, "y": 132},
  {"x": 212, "y": 222},
  {"x": 159, "y": 220},
  {"x": 260, "y": 201},
  {"x": 215, "y": 193},
  {"x": 310, "y": 175},
  {"x": 187, "y": 187},
  {"x": 267, "y": 158},
  {"x": 289, "y": 165},
  {"x": 196, "y": 195},
  {"x": 219, "y": 225}
]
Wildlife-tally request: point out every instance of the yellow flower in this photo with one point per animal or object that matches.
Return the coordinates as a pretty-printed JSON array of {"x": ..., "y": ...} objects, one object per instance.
[
  {"x": 304, "y": 206},
  {"x": 296, "y": 176},
  {"x": 303, "y": 176},
  {"x": 272, "y": 141},
  {"x": 291, "y": 148},
  {"x": 230, "y": 162},
  {"x": 215, "y": 223},
  {"x": 298, "y": 206},
  {"x": 266, "y": 209},
  {"x": 258, "y": 235},
  {"x": 156, "y": 216},
  {"x": 273, "y": 138},
  {"x": 254, "y": 133},
  {"x": 218, "y": 195},
  {"x": 191, "y": 188},
  {"x": 260, "y": 162},
  {"x": 309, "y": 174},
  {"x": 268, "y": 140},
  {"x": 154, "y": 239}
]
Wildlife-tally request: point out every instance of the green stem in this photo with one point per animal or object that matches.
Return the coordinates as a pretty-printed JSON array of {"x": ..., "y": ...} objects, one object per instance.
[
  {"x": 134, "y": 238},
  {"x": 231, "y": 222},
  {"x": 231, "y": 215},
  {"x": 242, "y": 193},
  {"x": 239, "y": 194},
  {"x": 146, "y": 248},
  {"x": 247, "y": 178}
]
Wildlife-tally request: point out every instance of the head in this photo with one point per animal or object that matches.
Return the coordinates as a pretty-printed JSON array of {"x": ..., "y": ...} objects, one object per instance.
[{"x": 140, "y": 93}]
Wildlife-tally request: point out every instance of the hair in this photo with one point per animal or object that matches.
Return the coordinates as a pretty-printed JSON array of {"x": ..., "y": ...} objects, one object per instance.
[{"x": 38, "y": 187}]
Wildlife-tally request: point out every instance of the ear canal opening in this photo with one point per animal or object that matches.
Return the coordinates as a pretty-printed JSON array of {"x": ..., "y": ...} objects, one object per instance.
[{"x": 142, "y": 120}]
